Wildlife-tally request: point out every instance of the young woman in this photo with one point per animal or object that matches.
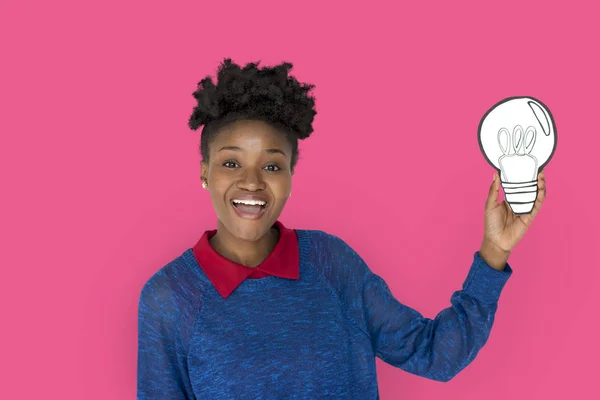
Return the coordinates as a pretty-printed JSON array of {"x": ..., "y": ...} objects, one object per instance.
[{"x": 257, "y": 310}]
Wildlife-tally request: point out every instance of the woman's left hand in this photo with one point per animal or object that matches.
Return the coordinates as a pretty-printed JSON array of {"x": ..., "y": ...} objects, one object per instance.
[{"x": 503, "y": 229}]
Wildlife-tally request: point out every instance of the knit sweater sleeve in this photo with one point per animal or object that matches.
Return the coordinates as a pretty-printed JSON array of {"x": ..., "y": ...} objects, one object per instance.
[
  {"x": 437, "y": 348},
  {"x": 162, "y": 357}
]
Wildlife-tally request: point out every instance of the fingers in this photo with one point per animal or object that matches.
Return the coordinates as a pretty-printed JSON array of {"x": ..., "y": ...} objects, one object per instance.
[
  {"x": 492, "y": 199},
  {"x": 541, "y": 196}
]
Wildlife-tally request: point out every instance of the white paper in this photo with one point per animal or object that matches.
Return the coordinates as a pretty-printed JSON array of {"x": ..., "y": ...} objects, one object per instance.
[{"x": 517, "y": 136}]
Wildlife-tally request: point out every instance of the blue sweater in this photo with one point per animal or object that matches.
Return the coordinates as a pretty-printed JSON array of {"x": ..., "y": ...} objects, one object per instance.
[{"x": 312, "y": 338}]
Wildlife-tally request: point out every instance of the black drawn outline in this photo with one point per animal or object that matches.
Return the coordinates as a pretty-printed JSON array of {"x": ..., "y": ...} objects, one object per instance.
[{"x": 549, "y": 124}]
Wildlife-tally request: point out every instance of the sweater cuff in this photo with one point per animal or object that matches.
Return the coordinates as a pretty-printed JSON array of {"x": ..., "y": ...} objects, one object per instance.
[{"x": 484, "y": 282}]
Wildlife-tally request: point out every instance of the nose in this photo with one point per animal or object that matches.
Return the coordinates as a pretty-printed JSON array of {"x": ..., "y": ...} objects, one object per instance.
[{"x": 251, "y": 180}]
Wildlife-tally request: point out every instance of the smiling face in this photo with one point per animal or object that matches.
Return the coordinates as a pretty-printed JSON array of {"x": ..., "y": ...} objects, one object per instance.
[{"x": 249, "y": 177}]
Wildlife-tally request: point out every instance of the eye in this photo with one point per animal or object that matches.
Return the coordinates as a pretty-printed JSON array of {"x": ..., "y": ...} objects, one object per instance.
[
  {"x": 272, "y": 168},
  {"x": 230, "y": 164}
]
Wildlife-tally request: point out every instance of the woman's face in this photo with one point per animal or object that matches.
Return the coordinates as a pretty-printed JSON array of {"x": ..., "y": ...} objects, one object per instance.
[{"x": 249, "y": 177}]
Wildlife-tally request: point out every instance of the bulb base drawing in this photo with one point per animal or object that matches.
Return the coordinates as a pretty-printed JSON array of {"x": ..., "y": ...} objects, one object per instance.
[{"x": 520, "y": 196}]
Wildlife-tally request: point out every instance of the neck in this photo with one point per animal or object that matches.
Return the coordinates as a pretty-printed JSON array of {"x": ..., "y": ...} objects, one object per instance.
[{"x": 249, "y": 254}]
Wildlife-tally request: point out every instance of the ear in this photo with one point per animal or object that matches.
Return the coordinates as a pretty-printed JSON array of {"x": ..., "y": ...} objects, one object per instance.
[{"x": 203, "y": 170}]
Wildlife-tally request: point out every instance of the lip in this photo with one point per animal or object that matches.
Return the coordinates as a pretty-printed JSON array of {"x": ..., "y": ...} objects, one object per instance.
[{"x": 249, "y": 197}]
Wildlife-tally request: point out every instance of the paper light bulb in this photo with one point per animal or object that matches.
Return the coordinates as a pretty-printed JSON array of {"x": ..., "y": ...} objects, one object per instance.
[{"x": 517, "y": 136}]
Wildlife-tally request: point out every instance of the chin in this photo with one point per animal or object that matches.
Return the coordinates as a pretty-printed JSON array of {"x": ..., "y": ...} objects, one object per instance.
[{"x": 250, "y": 231}]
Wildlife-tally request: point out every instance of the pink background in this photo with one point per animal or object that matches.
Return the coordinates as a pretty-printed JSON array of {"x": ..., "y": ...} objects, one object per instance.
[{"x": 101, "y": 187}]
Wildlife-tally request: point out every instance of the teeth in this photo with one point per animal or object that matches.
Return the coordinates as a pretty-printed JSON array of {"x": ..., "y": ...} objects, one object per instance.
[{"x": 251, "y": 202}]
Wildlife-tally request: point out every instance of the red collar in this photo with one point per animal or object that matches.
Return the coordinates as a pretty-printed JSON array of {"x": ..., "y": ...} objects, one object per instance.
[{"x": 227, "y": 275}]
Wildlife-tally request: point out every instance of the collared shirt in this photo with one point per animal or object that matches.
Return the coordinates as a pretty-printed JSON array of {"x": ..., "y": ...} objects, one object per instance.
[{"x": 227, "y": 275}]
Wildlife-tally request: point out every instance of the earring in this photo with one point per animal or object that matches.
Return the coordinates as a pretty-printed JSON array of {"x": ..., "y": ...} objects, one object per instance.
[{"x": 204, "y": 185}]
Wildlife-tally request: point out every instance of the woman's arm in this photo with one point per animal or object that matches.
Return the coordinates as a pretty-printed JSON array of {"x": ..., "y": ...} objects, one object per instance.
[
  {"x": 437, "y": 348},
  {"x": 162, "y": 362},
  {"x": 440, "y": 348}
]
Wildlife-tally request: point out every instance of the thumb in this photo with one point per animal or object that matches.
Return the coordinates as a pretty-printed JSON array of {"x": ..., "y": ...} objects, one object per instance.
[{"x": 492, "y": 199}]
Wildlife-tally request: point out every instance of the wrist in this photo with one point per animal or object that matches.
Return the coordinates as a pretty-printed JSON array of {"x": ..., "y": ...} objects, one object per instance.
[{"x": 493, "y": 255}]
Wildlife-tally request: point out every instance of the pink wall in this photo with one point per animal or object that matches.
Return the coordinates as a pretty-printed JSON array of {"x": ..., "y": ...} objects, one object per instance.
[{"x": 101, "y": 180}]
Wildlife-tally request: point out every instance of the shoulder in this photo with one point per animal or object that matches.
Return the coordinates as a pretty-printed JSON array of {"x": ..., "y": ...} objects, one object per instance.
[
  {"x": 319, "y": 237},
  {"x": 329, "y": 248},
  {"x": 166, "y": 285},
  {"x": 169, "y": 302}
]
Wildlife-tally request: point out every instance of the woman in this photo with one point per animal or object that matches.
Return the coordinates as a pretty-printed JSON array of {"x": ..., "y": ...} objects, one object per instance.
[{"x": 256, "y": 310}]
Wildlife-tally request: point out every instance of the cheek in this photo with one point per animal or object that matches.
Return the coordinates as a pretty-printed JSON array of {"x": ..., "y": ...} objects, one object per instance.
[
  {"x": 281, "y": 187},
  {"x": 218, "y": 185}
]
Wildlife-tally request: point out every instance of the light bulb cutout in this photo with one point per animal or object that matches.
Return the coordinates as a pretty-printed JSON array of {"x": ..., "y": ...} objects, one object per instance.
[{"x": 517, "y": 136}]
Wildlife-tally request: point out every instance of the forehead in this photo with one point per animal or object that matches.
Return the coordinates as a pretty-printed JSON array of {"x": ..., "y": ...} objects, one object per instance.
[{"x": 250, "y": 135}]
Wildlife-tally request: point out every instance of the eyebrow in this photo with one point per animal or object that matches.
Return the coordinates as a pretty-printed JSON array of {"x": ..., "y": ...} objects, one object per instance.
[{"x": 235, "y": 148}]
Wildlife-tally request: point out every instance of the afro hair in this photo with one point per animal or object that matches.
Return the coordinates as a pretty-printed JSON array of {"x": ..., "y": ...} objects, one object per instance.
[{"x": 250, "y": 93}]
